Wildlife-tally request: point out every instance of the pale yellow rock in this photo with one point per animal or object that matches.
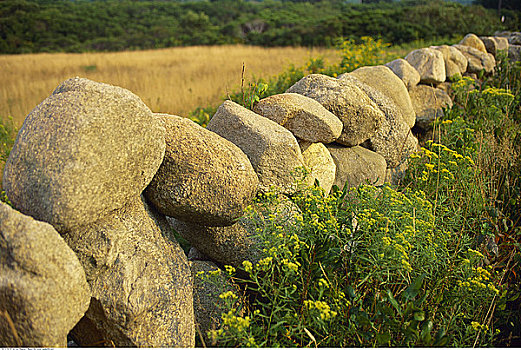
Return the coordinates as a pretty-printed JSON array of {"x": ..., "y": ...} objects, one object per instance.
[
  {"x": 360, "y": 116},
  {"x": 320, "y": 165},
  {"x": 385, "y": 81},
  {"x": 304, "y": 117},
  {"x": 429, "y": 63},
  {"x": 474, "y": 41}
]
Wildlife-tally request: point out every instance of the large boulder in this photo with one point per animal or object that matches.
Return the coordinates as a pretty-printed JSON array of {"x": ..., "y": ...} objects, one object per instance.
[
  {"x": 357, "y": 166},
  {"x": 231, "y": 245},
  {"x": 393, "y": 140},
  {"x": 429, "y": 63},
  {"x": 319, "y": 163},
  {"x": 474, "y": 41},
  {"x": 304, "y": 117},
  {"x": 140, "y": 281},
  {"x": 43, "y": 289},
  {"x": 383, "y": 79},
  {"x": 407, "y": 73},
  {"x": 428, "y": 103},
  {"x": 477, "y": 59},
  {"x": 83, "y": 152},
  {"x": 272, "y": 150},
  {"x": 204, "y": 178},
  {"x": 455, "y": 62},
  {"x": 360, "y": 116}
]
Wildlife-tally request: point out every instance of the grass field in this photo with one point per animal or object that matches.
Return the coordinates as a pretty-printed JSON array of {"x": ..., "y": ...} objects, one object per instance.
[{"x": 174, "y": 81}]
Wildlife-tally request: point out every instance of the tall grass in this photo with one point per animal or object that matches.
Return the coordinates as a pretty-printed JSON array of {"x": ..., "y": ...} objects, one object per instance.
[{"x": 173, "y": 81}]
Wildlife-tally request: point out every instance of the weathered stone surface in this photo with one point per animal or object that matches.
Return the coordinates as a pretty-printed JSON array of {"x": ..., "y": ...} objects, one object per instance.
[
  {"x": 360, "y": 116},
  {"x": 393, "y": 140},
  {"x": 357, "y": 166},
  {"x": 491, "y": 44},
  {"x": 140, "y": 281},
  {"x": 455, "y": 62},
  {"x": 395, "y": 175},
  {"x": 477, "y": 60},
  {"x": 194, "y": 254},
  {"x": 385, "y": 81},
  {"x": 272, "y": 150},
  {"x": 82, "y": 153},
  {"x": 320, "y": 165},
  {"x": 514, "y": 38},
  {"x": 514, "y": 52},
  {"x": 208, "y": 307},
  {"x": 428, "y": 103},
  {"x": 474, "y": 41},
  {"x": 501, "y": 43},
  {"x": 204, "y": 178},
  {"x": 231, "y": 245},
  {"x": 42, "y": 284},
  {"x": 429, "y": 63},
  {"x": 407, "y": 73},
  {"x": 304, "y": 117}
]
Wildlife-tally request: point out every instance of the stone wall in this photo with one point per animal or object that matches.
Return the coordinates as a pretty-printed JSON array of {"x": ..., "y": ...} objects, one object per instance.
[{"x": 98, "y": 182}]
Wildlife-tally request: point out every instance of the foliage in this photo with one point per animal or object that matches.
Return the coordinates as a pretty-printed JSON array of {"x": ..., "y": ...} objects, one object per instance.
[
  {"x": 114, "y": 25},
  {"x": 432, "y": 262},
  {"x": 368, "y": 52}
]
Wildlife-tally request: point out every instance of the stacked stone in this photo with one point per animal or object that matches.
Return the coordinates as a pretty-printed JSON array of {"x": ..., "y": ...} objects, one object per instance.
[{"x": 99, "y": 181}]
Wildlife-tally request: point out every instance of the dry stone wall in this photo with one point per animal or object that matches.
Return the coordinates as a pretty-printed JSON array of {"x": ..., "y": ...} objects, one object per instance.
[{"x": 98, "y": 182}]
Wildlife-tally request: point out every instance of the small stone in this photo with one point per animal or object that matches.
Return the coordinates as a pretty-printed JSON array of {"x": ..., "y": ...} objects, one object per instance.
[
  {"x": 405, "y": 71},
  {"x": 272, "y": 150},
  {"x": 474, "y": 41},
  {"x": 455, "y": 62},
  {"x": 429, "y": 63},
  {"x": 304, "y": 117},
  {"x": 428, "y": 103},
  {"x": 320, "y": 164},
  {"x": 357, "y": 166},
  {"x": 360, "y": 116},
  {"x": 477, "y": 60}
]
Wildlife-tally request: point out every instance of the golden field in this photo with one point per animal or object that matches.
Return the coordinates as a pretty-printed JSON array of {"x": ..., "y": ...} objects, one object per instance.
[{"x": 174, "y": 81}]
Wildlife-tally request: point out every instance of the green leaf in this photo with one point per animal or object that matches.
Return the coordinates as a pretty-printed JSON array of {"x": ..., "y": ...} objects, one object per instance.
[
  {"x": 393, "y": 302},
  {"x": 419, "y": 316},
  {"x": 426, "y": 332},
  {"x": 383, "y": 339},
  {"x": 414, "y": 289}
]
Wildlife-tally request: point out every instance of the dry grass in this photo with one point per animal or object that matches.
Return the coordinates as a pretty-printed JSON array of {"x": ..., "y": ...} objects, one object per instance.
[{"x": 174, "y": 81}]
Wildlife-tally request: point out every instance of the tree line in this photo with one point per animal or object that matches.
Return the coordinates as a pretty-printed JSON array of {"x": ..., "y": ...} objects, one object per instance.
[{"x": 112, "y": 25}]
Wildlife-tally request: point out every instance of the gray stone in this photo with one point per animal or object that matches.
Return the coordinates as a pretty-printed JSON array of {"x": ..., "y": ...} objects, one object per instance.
[
  {"x": 407, "y": 73},
  {"x": 490, "y": 43},
  {"x": 272, "y": 150},
  {"x": 304, "y": 117},
  {"x": 477, "y": 60},
  {"x": 474, "y": 41},
  {"x": 208, "y": 307},
  {"x": 501, "y": 43},
  {"x": 393, "y": 140},
  {"x": 320, "y": 165},
  {"x": 360, "y": 116},
  {"x": 83, "y": 153},
  {"x": 43, "y": 289},
  {"x": 140, "y": 281},
  {"x": 514, "y": 53},
  {"x": 204, "y": 178},
  {"x": 455, "y": 62},
  {"x": 194, "y": 254},
  {"x": 357, "y": 166},
  {"x": 231, "y": 245},
  {"x": 429, "y": 63},
  {"x": 428, "y": 103},
  {"x": 395, "y": 175},
  {"x": 383, "y": 79}
]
